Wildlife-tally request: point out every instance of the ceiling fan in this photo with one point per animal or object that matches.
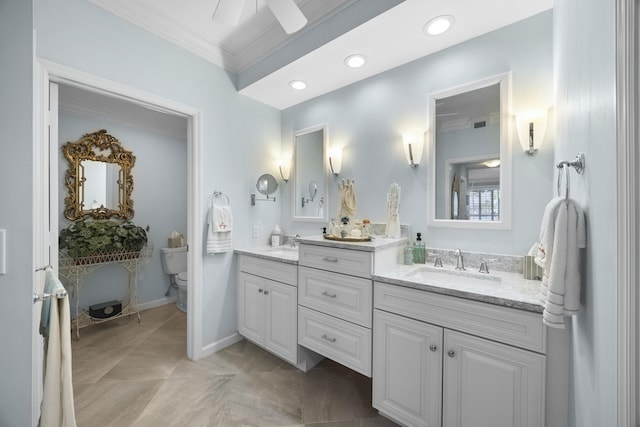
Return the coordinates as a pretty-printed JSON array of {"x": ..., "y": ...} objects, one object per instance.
[{"x": 286, "y": 12}]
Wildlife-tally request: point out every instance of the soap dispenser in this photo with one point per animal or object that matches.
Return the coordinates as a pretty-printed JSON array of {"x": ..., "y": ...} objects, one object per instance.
[{"x": 419, "y": 255}]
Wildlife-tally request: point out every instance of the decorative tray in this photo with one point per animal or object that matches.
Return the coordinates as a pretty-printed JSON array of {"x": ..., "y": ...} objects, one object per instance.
[{"x": 348, "y": 239}]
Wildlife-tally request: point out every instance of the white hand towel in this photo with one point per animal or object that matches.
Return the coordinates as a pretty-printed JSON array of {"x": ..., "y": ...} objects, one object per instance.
[
  {"x": 57, "y": 402},
  {"x": 222, "y": 218},
  {"x": 219, "y": 241},
  {"x": 560, "y": 288},
  {"x": 544, "y": 252}
]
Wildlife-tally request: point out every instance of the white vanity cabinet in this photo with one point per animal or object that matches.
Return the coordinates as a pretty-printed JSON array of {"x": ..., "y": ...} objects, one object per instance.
[
  {"x": 446, "y": 361},
  {"x": 267, "y": 305},
  {"x": 335, "y": 297}
]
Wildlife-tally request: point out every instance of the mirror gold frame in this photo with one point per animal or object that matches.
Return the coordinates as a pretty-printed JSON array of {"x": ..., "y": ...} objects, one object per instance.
[{"x": 100, "y": 147}]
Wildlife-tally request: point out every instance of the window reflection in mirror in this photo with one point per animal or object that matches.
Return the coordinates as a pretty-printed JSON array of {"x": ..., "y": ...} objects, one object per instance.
[
  {"x": 310, "y": 177},
  {"x": 469, "y": 155}
]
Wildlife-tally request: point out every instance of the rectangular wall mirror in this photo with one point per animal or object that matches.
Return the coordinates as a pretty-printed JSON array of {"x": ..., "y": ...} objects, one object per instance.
[
  {"x": 470, "y": 156},
  {"x": 310, "y": 176}
]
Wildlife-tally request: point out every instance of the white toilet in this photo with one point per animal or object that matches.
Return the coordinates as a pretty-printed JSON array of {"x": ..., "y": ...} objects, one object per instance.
[{"x": 174, "y": 263}]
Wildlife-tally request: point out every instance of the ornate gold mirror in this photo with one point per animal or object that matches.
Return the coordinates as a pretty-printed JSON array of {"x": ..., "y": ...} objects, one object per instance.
[{"x": 98, "y": 178}]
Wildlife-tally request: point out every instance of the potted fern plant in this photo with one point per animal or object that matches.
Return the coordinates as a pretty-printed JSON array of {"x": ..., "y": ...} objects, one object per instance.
[{"x": 90, "y": 241}]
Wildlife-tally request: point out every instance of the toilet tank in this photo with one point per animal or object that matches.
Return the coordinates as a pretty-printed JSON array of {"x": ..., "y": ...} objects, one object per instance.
[{"x": 174, "y": 260}]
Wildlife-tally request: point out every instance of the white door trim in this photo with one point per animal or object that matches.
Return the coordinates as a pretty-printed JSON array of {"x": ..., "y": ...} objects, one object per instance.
[
  {"x": 47, "y": 71},
  {"x": 628, "y": 212}
]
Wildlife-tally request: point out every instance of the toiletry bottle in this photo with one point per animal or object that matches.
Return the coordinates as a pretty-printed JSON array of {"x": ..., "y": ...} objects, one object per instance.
[
  {"x": 419, "y": 256},
  {"x": 277, "y": 236},
  {"x": 408, "y": 254}
]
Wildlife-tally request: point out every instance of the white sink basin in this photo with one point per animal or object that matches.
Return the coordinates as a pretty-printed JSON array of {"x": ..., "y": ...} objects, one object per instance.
[
  {"x": 288, "y": 249},
  {"x": 455, "y": 278}
]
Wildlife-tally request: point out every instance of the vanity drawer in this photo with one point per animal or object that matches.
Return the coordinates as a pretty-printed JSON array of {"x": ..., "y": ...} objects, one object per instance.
[
  {"x": 507, "y": 325},
  {"x": 274, "y": 270},
  {"x": 346, "y": 261},
  {"x": 341, "y": 341},
  {"x": 347, "y": 297}
]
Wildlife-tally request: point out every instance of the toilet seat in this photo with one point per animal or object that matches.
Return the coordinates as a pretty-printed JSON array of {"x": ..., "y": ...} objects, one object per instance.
[{"x": 182, "y": 278}]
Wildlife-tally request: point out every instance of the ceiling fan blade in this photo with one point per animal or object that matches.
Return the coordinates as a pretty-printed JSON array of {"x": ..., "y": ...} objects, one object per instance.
[
  {"x": 288, "y": 14},
  {"x": 228, "y": 11}
]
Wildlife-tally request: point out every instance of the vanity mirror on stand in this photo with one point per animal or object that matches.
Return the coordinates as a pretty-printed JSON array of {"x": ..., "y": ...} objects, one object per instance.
[
  {"x": 310, "y": 174},
  {"x": 266, "y": 185},
  {"x": 470, "y": 155}
]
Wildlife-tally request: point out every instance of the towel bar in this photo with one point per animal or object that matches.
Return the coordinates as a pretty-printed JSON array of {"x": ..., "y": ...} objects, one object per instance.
[{"x": 45, "y": 296}]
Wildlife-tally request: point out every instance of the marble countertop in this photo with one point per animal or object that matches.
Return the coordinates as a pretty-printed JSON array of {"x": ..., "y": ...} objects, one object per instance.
[
  {"x": 377, "y": 242},
  {"x": 286, "y": 254},
  {"x": 500, "y": 288}
]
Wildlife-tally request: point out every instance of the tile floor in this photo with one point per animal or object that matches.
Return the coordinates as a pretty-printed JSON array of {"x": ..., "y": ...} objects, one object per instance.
[{"x": 130, "y": 374}]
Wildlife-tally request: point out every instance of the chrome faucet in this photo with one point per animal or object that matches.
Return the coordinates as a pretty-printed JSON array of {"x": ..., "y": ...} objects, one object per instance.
[
  {"x": 460, "y": 260},
  {"x": 293, "y": 240},
  {"x": 484, "y": 265}
]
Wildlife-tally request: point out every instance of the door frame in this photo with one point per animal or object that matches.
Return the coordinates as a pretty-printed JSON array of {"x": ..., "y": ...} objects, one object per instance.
[
  {"x": 48, "y": 71},
  {"x": 628, "y": 208}
]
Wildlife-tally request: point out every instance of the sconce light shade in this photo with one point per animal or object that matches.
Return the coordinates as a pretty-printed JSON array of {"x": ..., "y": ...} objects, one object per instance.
[
  {"x": 531, "y": 127},
  {"x": 335, "y": 160},
  {"x": 413, "y": 145},
  {"x": 284, "y": 166}
]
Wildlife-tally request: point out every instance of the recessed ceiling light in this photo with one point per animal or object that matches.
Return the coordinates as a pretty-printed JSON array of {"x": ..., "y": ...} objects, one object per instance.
[
  {"x": 297, "y": 84},
  {"x": 438, "y": 25},
  {"x": 355, "y": 61}
]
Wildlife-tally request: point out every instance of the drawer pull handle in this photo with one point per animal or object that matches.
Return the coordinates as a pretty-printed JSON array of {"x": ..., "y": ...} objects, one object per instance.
[
  {"x": 433, "y": 347},
  {"x": 451, "y": 353},
  {"x": 327, "y": 294},
  {"x": 328, "y": 338},
  {"x": 330, "y": 259}
]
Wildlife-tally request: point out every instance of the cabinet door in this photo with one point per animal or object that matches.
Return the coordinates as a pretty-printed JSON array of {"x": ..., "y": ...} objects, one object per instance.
[
  {"x": 281, "y": 325},
  {"x": 251, "y": 307},
  {"x": 487, "y": 384},
  {"x": 407, "y": 369}
]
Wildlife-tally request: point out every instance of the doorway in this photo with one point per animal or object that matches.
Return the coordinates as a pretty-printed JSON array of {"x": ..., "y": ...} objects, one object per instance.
[{"x": 46, "y": 246}]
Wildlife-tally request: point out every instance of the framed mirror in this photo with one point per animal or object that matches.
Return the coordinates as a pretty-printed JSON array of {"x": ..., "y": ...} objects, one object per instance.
[
  {"x": 470, "y": 155},
  {"x": 98, "y": 178},
  {"x": 310, "y": 174}
]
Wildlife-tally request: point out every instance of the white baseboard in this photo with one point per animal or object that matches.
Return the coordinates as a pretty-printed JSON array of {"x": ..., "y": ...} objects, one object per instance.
[
  {"x": 157, "y": 303},
  {"x": 209, "y": 349}
]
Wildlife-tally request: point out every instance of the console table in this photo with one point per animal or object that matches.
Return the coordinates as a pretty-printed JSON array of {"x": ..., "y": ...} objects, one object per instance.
[{"x": 75, "y": 271}]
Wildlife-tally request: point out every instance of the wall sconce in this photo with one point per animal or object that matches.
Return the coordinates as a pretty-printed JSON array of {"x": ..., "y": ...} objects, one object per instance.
[
  {"x": 335, "y": 160},
  {"x": 284, "y": 166},
  {"x": 531, "y": 127},
  {"x": 413, "y": 145}
]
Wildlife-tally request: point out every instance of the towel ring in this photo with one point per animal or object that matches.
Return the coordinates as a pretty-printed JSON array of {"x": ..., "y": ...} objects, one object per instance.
[
  {"x": 578, "y": 164},
  {"x": 217, "y": 195},
  {"x": 567, "y": 186}
]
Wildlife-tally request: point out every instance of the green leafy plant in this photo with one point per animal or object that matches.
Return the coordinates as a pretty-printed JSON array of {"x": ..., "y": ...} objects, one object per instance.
[{"x": 96, "y": 237}]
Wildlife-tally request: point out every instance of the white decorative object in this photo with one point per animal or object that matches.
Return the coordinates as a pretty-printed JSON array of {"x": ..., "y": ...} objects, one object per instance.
[
  {"x": 393, "y": 211},
  {"x": 347, "y": 201}
]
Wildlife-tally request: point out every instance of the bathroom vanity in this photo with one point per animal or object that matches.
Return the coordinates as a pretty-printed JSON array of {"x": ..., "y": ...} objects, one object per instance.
[{"x": 443, "y": 348}]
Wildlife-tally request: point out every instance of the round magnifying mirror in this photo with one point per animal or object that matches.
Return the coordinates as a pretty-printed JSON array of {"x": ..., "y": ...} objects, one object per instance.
[
  {"x": 266, "y": 184},
  {"x": 313, "y": 189}
]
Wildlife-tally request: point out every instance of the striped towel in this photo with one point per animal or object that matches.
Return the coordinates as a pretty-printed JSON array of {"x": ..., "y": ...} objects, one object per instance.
[{"x": 220, "y": 222}]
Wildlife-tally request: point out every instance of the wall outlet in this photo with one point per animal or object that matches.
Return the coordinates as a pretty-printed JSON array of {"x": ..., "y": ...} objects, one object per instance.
[{"x": 256, "y": 232}]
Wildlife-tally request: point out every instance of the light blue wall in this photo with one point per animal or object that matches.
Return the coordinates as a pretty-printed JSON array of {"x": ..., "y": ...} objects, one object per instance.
[
  {"x": 584, "y": 60},
  {"x": 159, "y": 197},
  {"x": 239, "y": 134},
  {"x": 16, "y": 208},
  {"x": 369, "y": 117}
]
